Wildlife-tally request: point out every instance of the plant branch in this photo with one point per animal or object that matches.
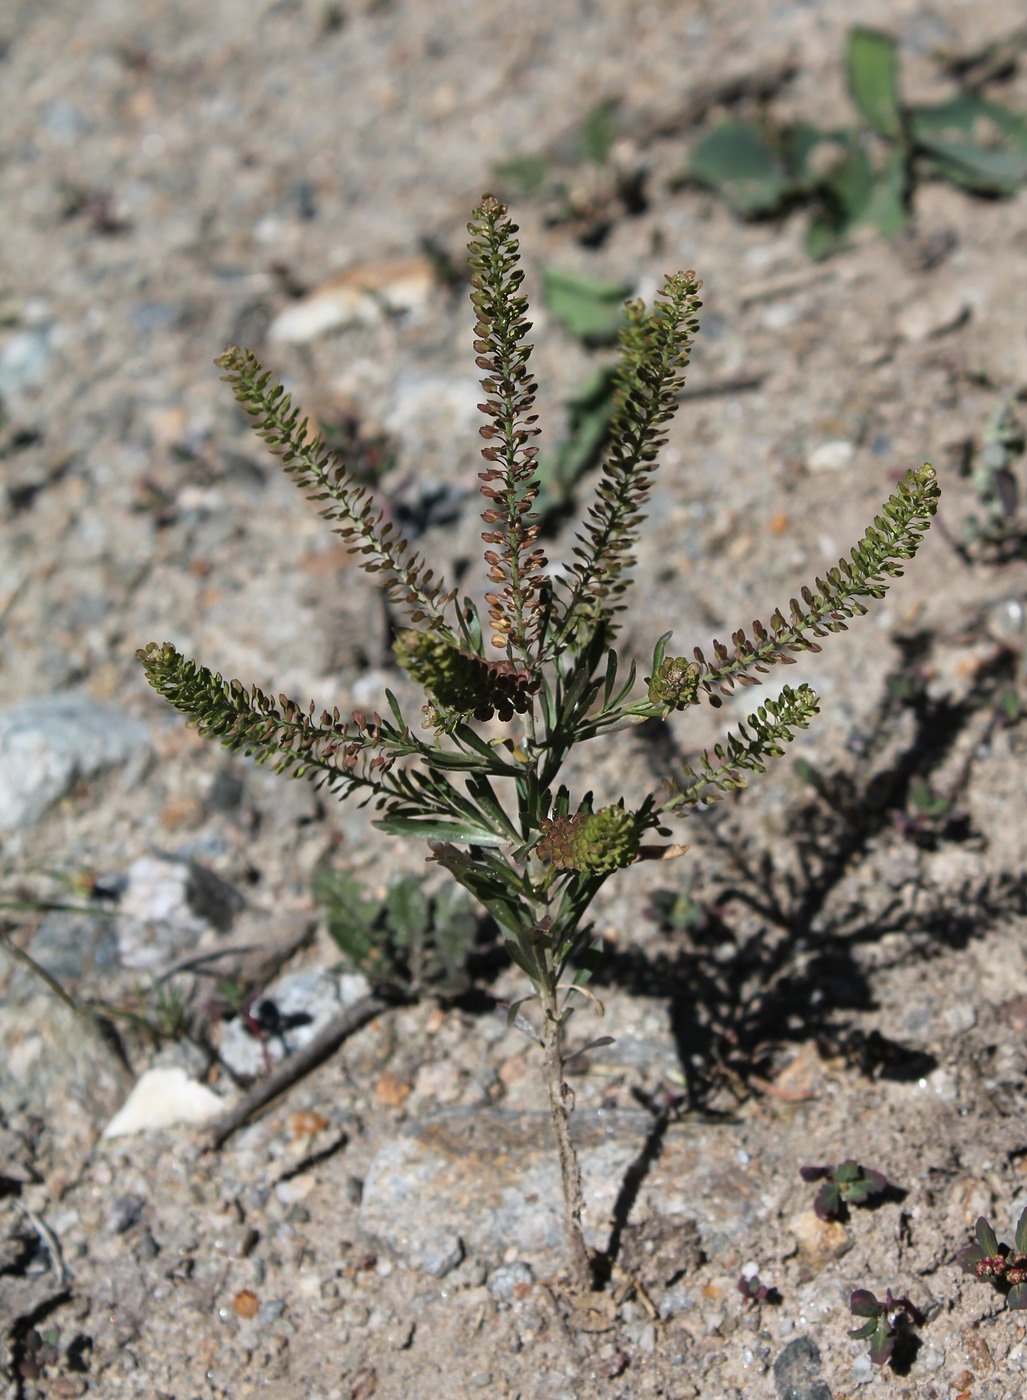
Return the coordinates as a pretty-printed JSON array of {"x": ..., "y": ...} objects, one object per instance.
[{"x": 560, "y": 1097}]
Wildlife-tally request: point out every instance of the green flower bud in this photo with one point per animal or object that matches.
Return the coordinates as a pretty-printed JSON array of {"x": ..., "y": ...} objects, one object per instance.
[
  {"x": 675, "y": 684},
  {"x": 460, "y": 682},
  {"x": 598, "y": 842}
]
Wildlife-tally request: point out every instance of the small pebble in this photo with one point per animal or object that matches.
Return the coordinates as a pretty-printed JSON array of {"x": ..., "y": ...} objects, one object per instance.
[{"x": 831, "y": 456}]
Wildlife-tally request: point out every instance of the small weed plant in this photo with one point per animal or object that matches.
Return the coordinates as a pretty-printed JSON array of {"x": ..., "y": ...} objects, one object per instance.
[
  {"x": 410, "y": 941},
  {"x": 888, "y": 1322},
  {"x": 847, "y": 1184},
  {"x": 1004, "y": 1267},
  {"x": 537, "y": 660},
  {"x": 866, "y": 174}
]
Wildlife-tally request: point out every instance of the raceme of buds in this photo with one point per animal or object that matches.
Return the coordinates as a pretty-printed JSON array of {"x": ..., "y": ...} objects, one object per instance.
[
  {"x": 460, "y": 681},
  {"x": 596, "y": 842},
  {"x": 675, "y": 683}
]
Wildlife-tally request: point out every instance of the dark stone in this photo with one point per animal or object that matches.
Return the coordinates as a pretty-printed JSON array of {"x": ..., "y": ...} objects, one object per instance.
[{"x": 795, "y": 1372}]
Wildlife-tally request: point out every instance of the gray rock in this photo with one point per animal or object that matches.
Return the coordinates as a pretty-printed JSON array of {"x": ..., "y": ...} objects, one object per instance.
[
  {"x": 49, "y": 745},
  {"x": 167, "y": 907},
  {"x": 73, "y": 946},
  {"x": 314, "y": 994},
  {"x": 492, "y": 1177},
  {"x": 510, "y": 1281},
  {"x": 59, "y": 1066},
  {"x": 796, "y": 1372},
  {"x": 25, "y": 360}
]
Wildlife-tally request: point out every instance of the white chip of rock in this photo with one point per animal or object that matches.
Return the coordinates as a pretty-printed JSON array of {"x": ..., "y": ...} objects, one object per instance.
[
  {"x": 163, "y": 1098},
  {"x": 832, "y": 456},
  {"x": 360, "y": 294},
  {"x": 943, "y": 310}
]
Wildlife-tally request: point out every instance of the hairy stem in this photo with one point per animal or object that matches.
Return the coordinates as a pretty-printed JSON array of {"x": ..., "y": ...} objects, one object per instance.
[{"x": 579, "y": 1259}]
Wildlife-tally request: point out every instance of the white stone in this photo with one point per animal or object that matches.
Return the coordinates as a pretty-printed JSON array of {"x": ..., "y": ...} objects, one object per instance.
[
  {"x": 832, "y": 456},
  {"x": 163, "y": 1098}
]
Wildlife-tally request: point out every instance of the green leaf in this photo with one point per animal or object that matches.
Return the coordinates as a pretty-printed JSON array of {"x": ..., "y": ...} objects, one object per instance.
[
  {"x": 526, "y": 173},
  {"x": 986, "y": 1238},
  {"x": 887, "y": 207},
  {"x": 738, "y": 160},
  {"x": 406, "y": 911},
  {"x": 855, "y": 193},
  {"x": 844, "y": 197},
  {"x": 872, "y": 62},
  {"x": 804, "y": 148},
  {"x": 883, "y": 1342},
  {"x": 427, "y": 829},
  {"x": 1016, "y": 1299},
  {"x": 349, "y": 916},
  {"x": 1020, "y": 1238},
  {"x": 973, "y": 142},
  {"x": 589, "y": 309},
  {"x": 589, "y": 413},
  {"x": 597, "y": 134}
]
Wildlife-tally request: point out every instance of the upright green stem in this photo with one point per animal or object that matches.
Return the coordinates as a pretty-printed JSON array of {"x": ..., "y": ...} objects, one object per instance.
[{"x": 560, "y": 1097}]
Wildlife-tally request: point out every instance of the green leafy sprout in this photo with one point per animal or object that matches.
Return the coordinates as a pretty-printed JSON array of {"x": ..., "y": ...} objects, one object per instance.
[
  {"x": 847, "y": 1184},
  {"x": 409, "y": 940},
  {"x": 535, "y": 657},
  {"x": 1003, "y": 1267},
  {"x": 887, "y": 1322},
  {"x": 865, "y": 174}
]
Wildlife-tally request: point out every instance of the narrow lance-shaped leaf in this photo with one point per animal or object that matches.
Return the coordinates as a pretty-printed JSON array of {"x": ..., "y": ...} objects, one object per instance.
[{"x": 874, "y": 80}]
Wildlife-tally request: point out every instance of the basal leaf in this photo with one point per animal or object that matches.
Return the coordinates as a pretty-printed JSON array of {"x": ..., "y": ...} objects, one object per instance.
[
  {"x": 597, "y": 134},
  {"x": 527, "y": 174},
  {"x": 590, "y": 310},
  {"x": 590, "y": 412},
  {"x": 973, "y": 142},
  {"x": 872, "y": 62},
  {"x": 738, "y": 160},
  {"x": 1020, "y": 1238},
  {"x": 986, "y": 1238}
]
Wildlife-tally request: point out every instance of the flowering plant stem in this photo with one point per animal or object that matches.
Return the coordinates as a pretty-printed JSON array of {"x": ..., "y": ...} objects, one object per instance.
[{"x": 539, "y": 663}]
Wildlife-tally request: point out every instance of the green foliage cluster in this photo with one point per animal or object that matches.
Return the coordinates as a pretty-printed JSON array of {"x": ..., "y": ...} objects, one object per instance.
[
  {"x": 887, "y": 1322},
  {"x": 1004, "y": 1267},
  {"x": 847, "y": 1184},
  {"x": 537, "y": 654},
  {"x": 409, "y": 940},
  {"x": 864, "y": 174},
  {"x": 998, "y": 529}
]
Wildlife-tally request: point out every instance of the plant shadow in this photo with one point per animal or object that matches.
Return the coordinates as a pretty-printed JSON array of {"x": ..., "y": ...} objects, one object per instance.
[{"x": 774, "y": 956}]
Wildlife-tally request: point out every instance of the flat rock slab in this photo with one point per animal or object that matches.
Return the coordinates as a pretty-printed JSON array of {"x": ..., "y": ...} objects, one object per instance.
[
  {"x": 489, "y": 1180},
  {"x": 50, "y": 744},
  {"x": 58, "y": 1067}
]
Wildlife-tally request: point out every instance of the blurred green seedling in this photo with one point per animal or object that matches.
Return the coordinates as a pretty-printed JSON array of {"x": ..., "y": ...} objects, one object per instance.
[
  {"x": 847, "y": 1184},
  {"x": 1001, "y": 1265},
  {"x": 866, "y": 174},
  {"x": 410, "y": 940}
]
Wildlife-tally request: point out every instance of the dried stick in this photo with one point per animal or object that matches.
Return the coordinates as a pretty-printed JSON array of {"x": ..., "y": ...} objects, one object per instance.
[{"x": 297, "y": 1067}]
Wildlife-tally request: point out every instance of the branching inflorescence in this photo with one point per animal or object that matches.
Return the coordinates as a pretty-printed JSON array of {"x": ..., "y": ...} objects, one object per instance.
[{"x": 541, "y": 661}]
